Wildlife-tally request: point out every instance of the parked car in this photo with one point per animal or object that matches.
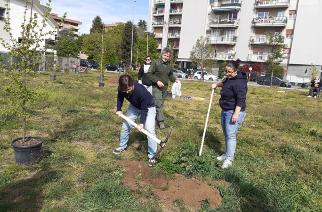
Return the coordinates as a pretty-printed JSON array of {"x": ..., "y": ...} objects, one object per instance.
[
  {"x": 180, "y": 74},
  {"x": 88, "y": 64},
  {"x": 266, "y": 80},
  {"x": 207, "y": 76},
  {"x": 112, "y": 67}
]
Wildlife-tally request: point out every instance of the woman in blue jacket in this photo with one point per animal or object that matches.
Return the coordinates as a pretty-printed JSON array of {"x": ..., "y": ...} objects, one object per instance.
[{"x": 233, "y": 104}]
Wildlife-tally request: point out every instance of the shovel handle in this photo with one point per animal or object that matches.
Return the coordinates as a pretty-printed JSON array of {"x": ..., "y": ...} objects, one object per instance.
[
  {"x": 142, "y": 130},
  {"x": 206, "y": 124}
]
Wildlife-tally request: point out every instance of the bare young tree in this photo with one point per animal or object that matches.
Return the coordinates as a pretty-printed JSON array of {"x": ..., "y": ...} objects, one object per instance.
[{"x": 202, "y": 53}]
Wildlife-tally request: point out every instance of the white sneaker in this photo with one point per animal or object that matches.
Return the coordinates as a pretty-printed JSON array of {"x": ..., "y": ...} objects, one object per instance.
[
  {"x": 227, "y": 163},
  {"x": 221, "y": 157}
]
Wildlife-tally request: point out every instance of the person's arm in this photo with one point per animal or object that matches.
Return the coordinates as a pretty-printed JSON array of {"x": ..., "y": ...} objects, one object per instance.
[
  {"x": 120, "y": 99},
  {"x": 215, "y": 85},
  {"x": 172, "y": 78},
  {"x": 151, "y": 73},
  {"x": 240, "y": 92}
]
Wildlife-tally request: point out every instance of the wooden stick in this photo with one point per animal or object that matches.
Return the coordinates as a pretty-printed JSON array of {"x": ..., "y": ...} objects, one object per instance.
[{"x": 206, "y": 124}]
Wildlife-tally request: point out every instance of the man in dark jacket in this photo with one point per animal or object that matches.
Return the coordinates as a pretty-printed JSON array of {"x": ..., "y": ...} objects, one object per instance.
[{"x": 160, "y": 72}]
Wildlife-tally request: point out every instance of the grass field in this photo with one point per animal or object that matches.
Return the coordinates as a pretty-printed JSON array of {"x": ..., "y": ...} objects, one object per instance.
[{"x": 277, "y": 166}]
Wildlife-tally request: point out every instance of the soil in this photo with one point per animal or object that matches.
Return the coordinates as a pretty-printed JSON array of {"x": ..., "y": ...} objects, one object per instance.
[
  {"x": 29, "y": 141},
  {"x": 191, "y": 193}
]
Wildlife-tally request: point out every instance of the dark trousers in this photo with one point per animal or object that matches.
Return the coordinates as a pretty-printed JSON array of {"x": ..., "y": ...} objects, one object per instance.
[{"x": 159, "y": 96}]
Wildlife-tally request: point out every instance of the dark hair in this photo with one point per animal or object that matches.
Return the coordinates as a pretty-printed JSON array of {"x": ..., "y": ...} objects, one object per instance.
[
  {"x": 234, "y": 64},
  {"x": 125, "y": 81},
  {"x": 148, "y": 56}
]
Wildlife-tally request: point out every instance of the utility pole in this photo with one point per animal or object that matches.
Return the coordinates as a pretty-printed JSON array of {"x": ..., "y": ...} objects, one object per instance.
[
  {"x": 132, "y": 36},
  {"x": 101, "y": 78}
]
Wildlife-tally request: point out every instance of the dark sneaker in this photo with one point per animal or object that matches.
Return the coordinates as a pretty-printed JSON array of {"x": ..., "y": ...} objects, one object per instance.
[
  {"x": 152, "y": 162},
  {"x": 161, "y": 125},
  {"x": 118, "y": 150}
]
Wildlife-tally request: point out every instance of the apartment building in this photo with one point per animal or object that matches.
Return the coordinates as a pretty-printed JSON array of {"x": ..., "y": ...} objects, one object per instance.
[
  {"x": 67, "y": 23},
  {"x": 240, "y": 29},
  {"x": 111, "y": 26},
  {"x": 17, "y": 9}
]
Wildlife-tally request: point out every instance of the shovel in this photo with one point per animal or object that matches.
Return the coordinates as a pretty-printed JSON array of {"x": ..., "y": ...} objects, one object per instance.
[{"x": 162, "y": 143}]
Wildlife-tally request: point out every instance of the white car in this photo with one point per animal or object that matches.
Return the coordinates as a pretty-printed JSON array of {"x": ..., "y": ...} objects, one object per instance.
[
  {"x": 179, "y": 74},
  {"x": 207, "y": 76}
]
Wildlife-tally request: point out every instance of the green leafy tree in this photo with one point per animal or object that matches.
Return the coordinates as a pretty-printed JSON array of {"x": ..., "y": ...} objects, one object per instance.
[
  {"x": 67, "y": 45},
  {"x": 97, "y": 25},
  {"x": 202, "y": 53},
  {"x": 276, "y": 42},
  {"x": 127, "y": 41},
  {"x": 22, "y": 96},
  {"x": 141, "y": 28},
  {"x": 141, "y": 46}
]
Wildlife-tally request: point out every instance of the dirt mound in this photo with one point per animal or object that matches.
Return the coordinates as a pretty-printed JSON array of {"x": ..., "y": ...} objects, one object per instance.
[{"x": 190, "y": 192}]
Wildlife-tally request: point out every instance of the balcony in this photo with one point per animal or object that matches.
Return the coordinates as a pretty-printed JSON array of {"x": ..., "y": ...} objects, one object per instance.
[
  {"x": 158, "y": 35},
  {"x": 261, "y": 40},
  {"x": 175, "y": 11},
  {"x": 223, "y": 23},
  {"x": 157, "y": 24},
  {"x": 175, "y": 23},
  {"x": 225, "y": 56},
  {"x": 158, "y": 13},
  {"x": 174, "y": 35},
  {"x": 270, "y": 21},
  {"x": 159, "y": 2},
  {"x": 176, "y": 1},
  {"x": 258, "y": 57},
  {"x": 224, "y": 40},
  {"x": 272, "y": 4},
  {"x": 226, "y": 6}
]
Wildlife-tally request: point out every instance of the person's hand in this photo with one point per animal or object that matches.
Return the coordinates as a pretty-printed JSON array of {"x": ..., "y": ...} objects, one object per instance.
[
  {"x": 160, "y": 84},
  {"x": 234, "y": 118},
  {"x": 214, "y": 85},
  {"x": 140, "y": 127},
  {"x": 119, "y": 113}
]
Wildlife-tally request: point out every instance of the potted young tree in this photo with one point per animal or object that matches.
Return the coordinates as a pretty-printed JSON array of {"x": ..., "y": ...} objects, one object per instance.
[{"x": 26, "y": 53}]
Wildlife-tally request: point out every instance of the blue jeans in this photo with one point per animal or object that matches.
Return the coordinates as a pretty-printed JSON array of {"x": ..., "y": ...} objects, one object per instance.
[
  {"x": 230, "y": 131},
  {"x": 133, "y": 113}
]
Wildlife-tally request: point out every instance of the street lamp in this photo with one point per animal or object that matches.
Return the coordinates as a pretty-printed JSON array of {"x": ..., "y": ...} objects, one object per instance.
[{"x": 132, "y": 36}]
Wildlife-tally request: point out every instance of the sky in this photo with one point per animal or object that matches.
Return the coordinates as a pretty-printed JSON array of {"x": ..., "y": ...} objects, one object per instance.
[{"x": 109, "y": 10}]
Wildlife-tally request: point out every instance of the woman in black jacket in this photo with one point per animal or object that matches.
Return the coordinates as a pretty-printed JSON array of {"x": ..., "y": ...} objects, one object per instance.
[
  {"x": 233, "y": 105},
  {"x": 142, "y": 75}
]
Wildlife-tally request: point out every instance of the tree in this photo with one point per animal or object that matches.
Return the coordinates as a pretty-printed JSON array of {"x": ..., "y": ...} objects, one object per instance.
[
  {"x": 202, "y": 53},
  {"x": 276, "y": 42},
  {"x": 127, "y": 42},
  {"x": 141, "y": 28},
  {"x": 67, "y": 45},
  {"x": 140, "y": 48},
  {"x": 28, "y": 56},
  {"x": 97, "y": 25}
]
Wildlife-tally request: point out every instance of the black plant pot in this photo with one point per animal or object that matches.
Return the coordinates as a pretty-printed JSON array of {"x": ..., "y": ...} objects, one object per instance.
[
  {"x": 101, "y": 84},
  {"x": 27, "y": 154}
]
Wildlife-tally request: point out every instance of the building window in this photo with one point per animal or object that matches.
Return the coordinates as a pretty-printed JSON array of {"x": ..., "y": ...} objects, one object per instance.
[
  {"x": 2, "y": 13},
  {"x": 292, "y": 14},
  {"x": 263, "y": 14}
]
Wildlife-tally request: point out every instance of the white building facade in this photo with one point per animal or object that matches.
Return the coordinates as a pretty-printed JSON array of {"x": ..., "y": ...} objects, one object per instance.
[
  {"x": 239, "y": 30},
  {"x": 17, "y": 9}
]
